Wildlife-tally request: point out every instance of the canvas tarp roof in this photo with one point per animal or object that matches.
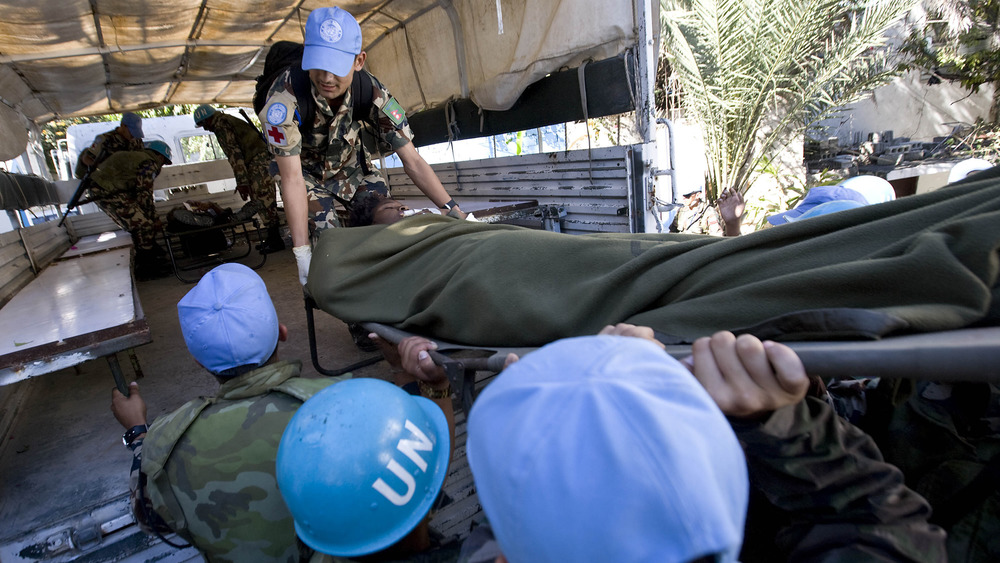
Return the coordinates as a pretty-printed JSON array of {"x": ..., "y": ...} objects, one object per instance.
[{"x": 63, "y": 58}]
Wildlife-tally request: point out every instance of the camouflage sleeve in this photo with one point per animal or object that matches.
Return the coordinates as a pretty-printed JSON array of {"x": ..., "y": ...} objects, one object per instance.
[
  {"x": 838, "y": 499},
  {"x": 279, "y": 118},
  {"x": 228, "y": 140},
  {"x": 386, "y": 111}
]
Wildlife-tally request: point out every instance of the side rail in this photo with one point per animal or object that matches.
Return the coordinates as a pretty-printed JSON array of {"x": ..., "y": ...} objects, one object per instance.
[{"x": 585, "y": 191}]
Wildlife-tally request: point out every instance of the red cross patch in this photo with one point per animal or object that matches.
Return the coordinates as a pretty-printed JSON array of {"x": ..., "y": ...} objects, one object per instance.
[{"x": 275, "y": 136}]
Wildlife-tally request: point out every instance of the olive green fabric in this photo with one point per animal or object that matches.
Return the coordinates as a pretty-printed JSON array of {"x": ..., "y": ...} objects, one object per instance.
[{"x": 920, "y": 263}]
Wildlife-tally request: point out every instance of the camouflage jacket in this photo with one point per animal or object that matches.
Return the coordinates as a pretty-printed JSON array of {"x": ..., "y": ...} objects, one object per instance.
[
  {"x": 209, "y": 466},
  {"x": 702, "y": 220},
  {"x": 240, "y": 141},
  {"x": 820, "y": 491},
  {"x": 330, "y": 152},
  {"x": 127, "y": 171},
  {"x": 105, "y": 145}
]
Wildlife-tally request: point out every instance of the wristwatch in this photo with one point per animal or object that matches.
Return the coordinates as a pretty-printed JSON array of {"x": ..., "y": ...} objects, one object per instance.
[
  {"x": 450, "y": 204},
  {"x": 132, "y": 433}
]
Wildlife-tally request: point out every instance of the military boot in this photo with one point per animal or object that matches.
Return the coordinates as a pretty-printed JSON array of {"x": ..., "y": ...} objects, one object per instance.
[{"x": 273, "y": 242}]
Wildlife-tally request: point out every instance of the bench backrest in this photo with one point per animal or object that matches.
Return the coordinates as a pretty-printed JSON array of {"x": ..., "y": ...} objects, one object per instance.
[{"x": 25, "y": 252}]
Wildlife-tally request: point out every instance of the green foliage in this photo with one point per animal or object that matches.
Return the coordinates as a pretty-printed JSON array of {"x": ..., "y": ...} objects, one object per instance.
[
  {"x": 959, "y": 42},
  {"x": 757, "y": 73}
]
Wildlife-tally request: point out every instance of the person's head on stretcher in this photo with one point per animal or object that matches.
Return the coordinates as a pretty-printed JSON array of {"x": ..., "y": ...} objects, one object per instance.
[{"x": 380, "y": 210}]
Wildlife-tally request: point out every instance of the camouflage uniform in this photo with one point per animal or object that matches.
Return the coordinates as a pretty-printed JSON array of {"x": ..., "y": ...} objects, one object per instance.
[
  {"x": 819, "y": 492},
  {"x": 329, "y": 156},
  {"x": 249, "y": 158},
  {"x": 703, "y": 219},
  {"x": 105, "y": 145},
  {"x": 209, "y": 466},
  {"x": 123, "y": 187}
]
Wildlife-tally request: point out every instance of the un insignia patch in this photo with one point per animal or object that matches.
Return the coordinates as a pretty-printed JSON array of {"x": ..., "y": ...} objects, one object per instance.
[
  {"x": 276, "y": 114},
  {"x": 394, "y": 111}
]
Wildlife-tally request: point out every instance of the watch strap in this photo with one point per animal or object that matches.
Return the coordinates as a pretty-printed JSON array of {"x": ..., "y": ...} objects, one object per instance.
[{"x": 132, "y": 433}]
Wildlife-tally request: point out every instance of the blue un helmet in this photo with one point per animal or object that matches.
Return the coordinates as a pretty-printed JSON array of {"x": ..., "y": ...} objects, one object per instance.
[
  {"x": 203, "y": 112},
  {"x": 159, "y": 147},
  {"x": 360, "y": 464}
]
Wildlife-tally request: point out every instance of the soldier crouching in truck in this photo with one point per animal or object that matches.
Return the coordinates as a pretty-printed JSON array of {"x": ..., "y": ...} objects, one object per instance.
[
  {"x": 122, "y": 186},
  {"x": 250, "y": 159}
]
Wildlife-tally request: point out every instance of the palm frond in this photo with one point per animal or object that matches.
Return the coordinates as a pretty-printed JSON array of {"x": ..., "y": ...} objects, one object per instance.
[{"x": 745, "y": 63}]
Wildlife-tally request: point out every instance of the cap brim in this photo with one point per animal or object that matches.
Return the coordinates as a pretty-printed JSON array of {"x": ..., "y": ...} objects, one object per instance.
[
  {"x": 331, "y": 60},
  {"x": 136, "y": 131},
  {"x": 785, "y": 217}
]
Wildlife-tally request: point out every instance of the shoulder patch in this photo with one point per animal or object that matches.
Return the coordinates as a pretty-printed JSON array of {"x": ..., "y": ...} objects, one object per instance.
[
  {"x": 277, "y": 113},
  {"x": 394, "y": 111},
  {"x": 276, "y": 136}
]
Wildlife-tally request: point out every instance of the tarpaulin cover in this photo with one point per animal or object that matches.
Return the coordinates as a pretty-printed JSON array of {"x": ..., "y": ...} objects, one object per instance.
[
  {"x": 20, "y": 191},
  {"x": 917, "y": 264}
]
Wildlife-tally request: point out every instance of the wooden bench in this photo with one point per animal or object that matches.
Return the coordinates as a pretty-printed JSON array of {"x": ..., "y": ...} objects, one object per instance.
[{"x": 66, "y": 302}]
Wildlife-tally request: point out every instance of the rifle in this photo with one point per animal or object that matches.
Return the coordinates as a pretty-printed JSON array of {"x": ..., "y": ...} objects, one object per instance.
[
  {"x": 82, "y": 187},
  {"x": 77, "y": 196}
]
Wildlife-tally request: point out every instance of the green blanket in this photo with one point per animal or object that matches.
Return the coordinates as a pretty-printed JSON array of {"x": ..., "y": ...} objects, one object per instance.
[{"x": 918, "y": 264}]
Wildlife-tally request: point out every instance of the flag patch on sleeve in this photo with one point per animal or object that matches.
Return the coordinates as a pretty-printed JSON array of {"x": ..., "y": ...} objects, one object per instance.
[{"x": 394, "y": 111}]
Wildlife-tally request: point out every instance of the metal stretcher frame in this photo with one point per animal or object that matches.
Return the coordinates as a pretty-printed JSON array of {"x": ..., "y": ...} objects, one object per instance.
[
  {"x": 198, "y": 263},
  {"x": 971, "y": 354}
]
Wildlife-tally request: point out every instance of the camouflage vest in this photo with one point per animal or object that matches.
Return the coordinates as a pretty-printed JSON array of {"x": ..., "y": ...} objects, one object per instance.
[
  {"x": 210, "y": 465},
  {"x": 118, "y": 172}
]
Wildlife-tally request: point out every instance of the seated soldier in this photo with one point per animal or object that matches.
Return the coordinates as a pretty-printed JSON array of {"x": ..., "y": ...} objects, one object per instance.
[{"x": 604, "y": 448}]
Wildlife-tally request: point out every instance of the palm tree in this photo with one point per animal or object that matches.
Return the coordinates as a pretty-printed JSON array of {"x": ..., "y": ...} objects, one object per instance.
[{"x": 757, "y": 73}]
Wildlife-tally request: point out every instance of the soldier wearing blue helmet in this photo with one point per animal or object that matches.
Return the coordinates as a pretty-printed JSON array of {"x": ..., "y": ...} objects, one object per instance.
[
  {"x": 207, "y": 470},
  {"x": 122, "y": 186},
  {"x": 249, "y": 159}
]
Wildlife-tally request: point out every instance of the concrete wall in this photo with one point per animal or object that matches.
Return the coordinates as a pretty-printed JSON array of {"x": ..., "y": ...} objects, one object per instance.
[{"x": 910, "y": 108}]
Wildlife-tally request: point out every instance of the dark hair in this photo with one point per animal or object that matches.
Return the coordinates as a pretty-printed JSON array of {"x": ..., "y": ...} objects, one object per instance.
[{"x": 363, "y": 212}]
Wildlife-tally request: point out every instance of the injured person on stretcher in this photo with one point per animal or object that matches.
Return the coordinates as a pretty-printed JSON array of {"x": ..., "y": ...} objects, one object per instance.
[{"x": 923, "y": 263}]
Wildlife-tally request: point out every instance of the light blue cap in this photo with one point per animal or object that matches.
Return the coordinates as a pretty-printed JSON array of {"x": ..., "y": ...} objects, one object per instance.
[
  {"x": 817, "y": 196},
  {"x": 228, "y": 319},
  {"x": 333, "y": 39},
  {"x": 133, "y": 123},
  {"x": 827, "y": 208},
  {"x": 604, "y": 448}
]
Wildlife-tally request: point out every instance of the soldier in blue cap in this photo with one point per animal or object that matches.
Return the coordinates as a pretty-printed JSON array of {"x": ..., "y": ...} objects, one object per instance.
[
  {"x": 126, "y": 137},
  {"x": 605, "y": 448},
  {"x": 329, "y": 161}
]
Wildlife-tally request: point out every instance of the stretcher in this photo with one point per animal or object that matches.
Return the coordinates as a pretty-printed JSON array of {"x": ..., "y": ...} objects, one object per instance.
[
  {"x": 239, "y": 237},
  {"x": 971, "y": 354},
  {"x": 485, "y": 211}
]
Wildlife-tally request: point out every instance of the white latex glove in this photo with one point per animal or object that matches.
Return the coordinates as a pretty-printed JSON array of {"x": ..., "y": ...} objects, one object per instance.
[{"x": 303, "y": 255}]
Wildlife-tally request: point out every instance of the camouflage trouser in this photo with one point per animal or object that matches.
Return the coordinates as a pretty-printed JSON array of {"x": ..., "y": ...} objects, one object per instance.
[
  {"x": 262, "y": 186},
  {"x": 132, "y": 210},
  {"x": 322, "y": 212}
]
